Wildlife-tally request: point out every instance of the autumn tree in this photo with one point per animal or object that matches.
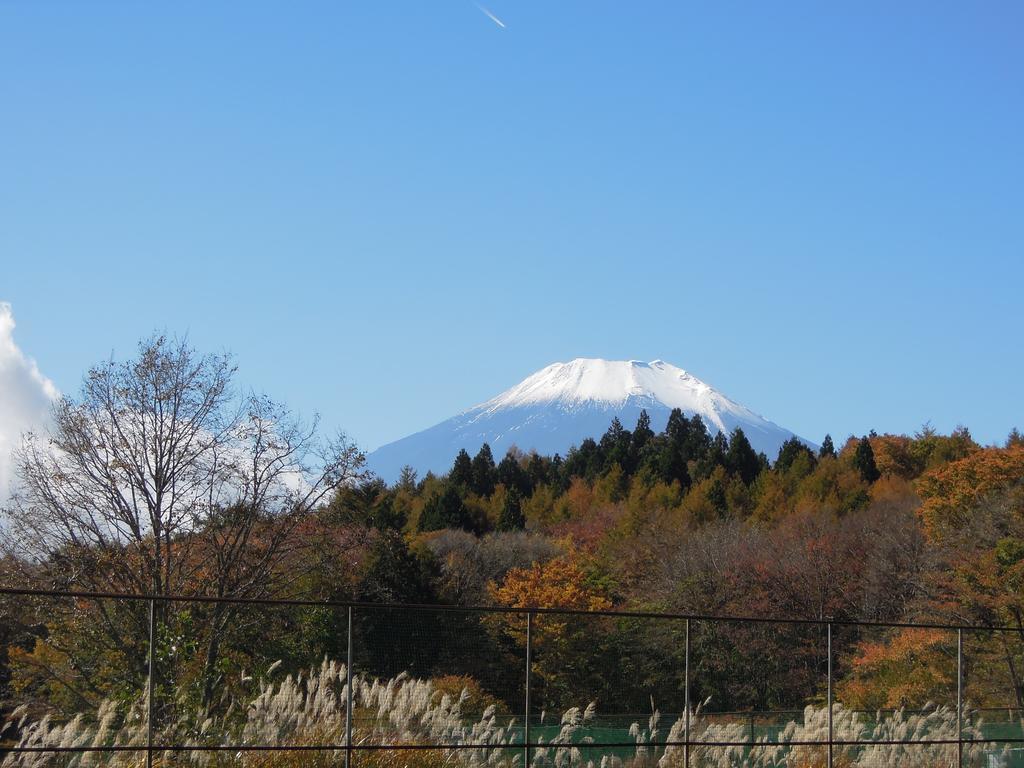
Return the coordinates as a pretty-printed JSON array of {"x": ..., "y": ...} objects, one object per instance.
[
  {"x": 908, "y": 669},
  {"x": 973, "y": 512},
  {"x": 708, "y": 500},
  {"x": 772, "y": 501},
  {"x": 895, "y": 455},
  {"x": 832, "y": 484},
  {"x": 565, "y": 647},
  {"x": 932, "y": 449},
  {"x": 950, "y": 493},
  {"x": 160, "y": 478}
]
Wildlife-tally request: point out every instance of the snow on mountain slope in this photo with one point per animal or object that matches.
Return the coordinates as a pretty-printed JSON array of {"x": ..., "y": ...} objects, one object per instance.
[{"x": 564, "y": 403}]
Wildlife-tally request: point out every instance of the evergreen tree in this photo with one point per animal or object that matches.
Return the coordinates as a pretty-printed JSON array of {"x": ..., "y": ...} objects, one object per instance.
[
  {"x": 677, "y": 428},
  {"x": 614, "y": 432},
  {"x": 512, "y": 518},
  {"x": 719, "y": 447},
  {"x": 1015, "y": 439},
  {"x": 669, "y": 464},
  {"x": 538, "y": 470},
  {"x": 713, "y": 456},
  {"x": 385, "y": 516},
  {"x": 390, "y": 643},
  {"x": 512, "y": 475},
  {"x": 827, "y": 449},
  {"x": 483, "y": 471},
  {"x": 788, "y": 453},
  {"x": 557, "y": 474},
  {"x": 643, "y": 432},
  {"x": 741, "y": 459},
  {"x": 864, "y": 461},
  {"x": 462, "y": 471},
  {"x": 586, "y": 461},
  {"x": 393, "y": 574},
  {"x": 445, "y": 510},
  {"x": 673, "y": 451},
  {"x": 359, "y": 503},
  {"x": 698, "y": 440},
  {"x": 615, "y": 447}
]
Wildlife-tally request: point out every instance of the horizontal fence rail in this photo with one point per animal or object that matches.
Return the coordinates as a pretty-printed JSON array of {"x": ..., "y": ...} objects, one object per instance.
[
  {"x": 536, "y": 611},
  {"x": 530, "y": 746}
]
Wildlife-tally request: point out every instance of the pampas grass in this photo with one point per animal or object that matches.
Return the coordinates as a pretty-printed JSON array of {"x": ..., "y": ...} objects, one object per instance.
[
  {"x": 930, "y": 724},
  {"x": 310, "y": 709}
]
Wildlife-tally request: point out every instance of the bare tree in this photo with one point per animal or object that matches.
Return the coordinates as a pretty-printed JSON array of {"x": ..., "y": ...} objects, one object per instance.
[
  {"x": 469, "y": 563},
  {"x": 162, "y": 479}
]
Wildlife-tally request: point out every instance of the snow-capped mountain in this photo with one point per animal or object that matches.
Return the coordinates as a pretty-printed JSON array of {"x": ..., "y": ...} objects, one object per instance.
[{"x": 561, "y": 405}]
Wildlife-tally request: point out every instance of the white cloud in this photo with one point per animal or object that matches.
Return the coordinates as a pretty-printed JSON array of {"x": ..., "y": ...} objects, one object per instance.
[{"x": 25, "y": 397}]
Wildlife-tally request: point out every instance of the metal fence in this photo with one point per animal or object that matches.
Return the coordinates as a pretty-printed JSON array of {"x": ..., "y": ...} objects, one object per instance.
[{"x": 762, "y": 729}]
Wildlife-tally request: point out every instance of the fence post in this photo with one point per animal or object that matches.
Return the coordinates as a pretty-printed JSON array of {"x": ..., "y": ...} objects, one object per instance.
[
  {"x": 149, "y": 685},
  {"x": 686, "y": 697},
  {"x": 348, "y": 702},
  {"x": 526, "y": 711},
  {"x": 830, "y": 733},
  {"x": 959, "y": 697}
]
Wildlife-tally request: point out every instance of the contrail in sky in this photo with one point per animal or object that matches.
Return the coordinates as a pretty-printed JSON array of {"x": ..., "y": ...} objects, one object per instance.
[{"x": 491, "y": 16}]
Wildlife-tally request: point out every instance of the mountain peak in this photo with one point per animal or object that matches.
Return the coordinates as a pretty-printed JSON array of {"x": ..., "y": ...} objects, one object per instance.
[
  {"x": 613, "y": 383},
  {"x": 564, "y": 403}
]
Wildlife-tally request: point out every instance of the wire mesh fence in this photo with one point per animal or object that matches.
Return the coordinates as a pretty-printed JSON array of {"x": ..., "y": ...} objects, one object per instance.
[{"x": 221, "y": 682}]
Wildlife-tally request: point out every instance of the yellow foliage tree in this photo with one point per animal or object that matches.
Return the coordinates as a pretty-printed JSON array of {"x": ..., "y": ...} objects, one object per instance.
[
  {"x": 772, "y": 500},
  {"x": 579, "y": 499},
  {"x": 539, "y": 507},
  {"x": 834, "y": 485}
]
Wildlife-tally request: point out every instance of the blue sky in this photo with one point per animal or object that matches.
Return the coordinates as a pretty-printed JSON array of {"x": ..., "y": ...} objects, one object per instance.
[{"x": 392, "y": 211}]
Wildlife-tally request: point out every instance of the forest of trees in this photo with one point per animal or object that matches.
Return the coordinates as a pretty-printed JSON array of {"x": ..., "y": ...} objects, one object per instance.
[{"x": 160, "y": 478}]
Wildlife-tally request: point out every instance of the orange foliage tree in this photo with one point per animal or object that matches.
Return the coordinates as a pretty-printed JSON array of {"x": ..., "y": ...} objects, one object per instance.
[
  {"x": 567, "y": 650},
  {"x": 909, "y": 669},
  {"x": 973, "y": 512},
  {"x": 951, "y": 492},
  {"x": 894, "y": 455}
]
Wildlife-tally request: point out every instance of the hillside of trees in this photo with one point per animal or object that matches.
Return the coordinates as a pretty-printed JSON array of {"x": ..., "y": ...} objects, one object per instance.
[{"x": 234, "y": 497}]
